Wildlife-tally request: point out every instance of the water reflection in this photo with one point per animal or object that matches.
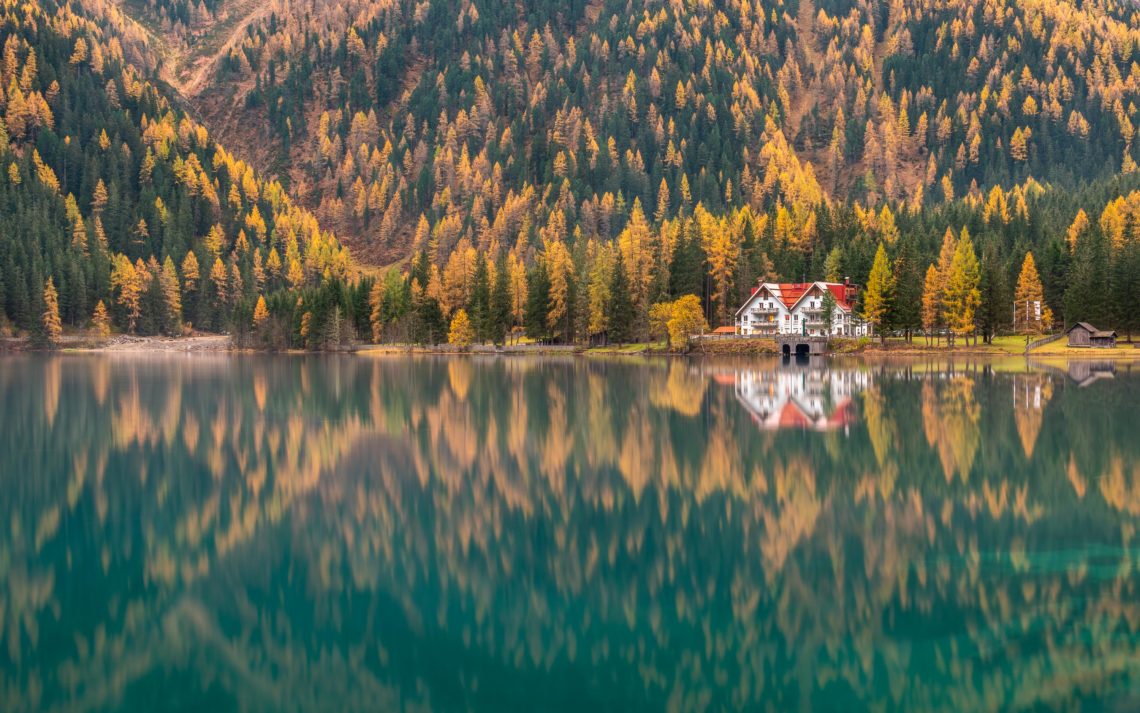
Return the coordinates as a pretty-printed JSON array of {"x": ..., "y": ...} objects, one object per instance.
[
  {"x": 819, "y": 399},
  {"x": 419, "y": 534}
]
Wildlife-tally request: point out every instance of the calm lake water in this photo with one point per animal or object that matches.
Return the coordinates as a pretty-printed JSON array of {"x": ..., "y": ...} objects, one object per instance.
[{"x": 417, "y": 534}]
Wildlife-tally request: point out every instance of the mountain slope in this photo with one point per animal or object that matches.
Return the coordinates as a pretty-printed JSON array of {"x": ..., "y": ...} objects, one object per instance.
[
  {"x": 550, "y": 165},
  {"x": 476, "y": 115},
  {"x": 118, "y": 197}
]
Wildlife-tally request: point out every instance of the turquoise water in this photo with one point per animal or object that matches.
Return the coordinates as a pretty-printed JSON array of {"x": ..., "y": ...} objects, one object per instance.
[{"x": 417, "y": 534}]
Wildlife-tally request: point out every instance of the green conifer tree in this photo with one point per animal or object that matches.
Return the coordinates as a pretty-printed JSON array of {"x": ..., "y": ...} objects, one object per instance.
[
  {"x": 621, "y": 312},
  {"x": 500, "y": 315}
]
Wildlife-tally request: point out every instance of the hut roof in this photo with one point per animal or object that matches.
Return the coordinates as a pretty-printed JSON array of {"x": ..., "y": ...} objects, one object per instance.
[{"x": 1093, "y": 331}]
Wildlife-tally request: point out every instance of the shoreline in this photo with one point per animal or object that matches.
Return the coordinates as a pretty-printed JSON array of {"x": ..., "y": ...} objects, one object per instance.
[
  {"x": 222, "y": 344},
  {"x": 125, "y": 344}
]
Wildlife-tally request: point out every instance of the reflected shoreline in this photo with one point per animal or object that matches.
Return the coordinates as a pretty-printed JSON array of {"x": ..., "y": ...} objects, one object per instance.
[{"x": 318, "y": 533}]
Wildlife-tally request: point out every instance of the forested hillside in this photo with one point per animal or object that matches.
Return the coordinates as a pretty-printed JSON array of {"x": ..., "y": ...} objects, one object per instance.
[
  {"x": 117, "y": 209},
  {"x": 595, "y": 158},
  {"x": 386, "y": 110}
]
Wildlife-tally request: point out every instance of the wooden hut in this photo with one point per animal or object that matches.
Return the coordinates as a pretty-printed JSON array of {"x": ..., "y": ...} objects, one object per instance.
[{"x": 1083, "y": 334}]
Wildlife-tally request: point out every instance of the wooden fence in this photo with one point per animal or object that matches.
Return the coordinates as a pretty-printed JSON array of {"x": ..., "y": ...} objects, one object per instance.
[{"x": 1042, "y": 342}]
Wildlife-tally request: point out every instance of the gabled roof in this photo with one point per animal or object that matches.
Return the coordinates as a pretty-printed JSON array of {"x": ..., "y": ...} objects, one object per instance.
[
  {"x": 838, "y": 291},
  {"x": 790, "y": 293},
  {"x": 1093, "y": 331},
  {"x": 769, "y": 287}
]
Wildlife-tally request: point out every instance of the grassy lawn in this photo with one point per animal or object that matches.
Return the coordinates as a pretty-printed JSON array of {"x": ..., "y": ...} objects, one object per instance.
[
  {"x": 1012, "y": 345},
  {"x": 1061, "y": 348},
  {"x": 629, "y": 348},
  {"x": 1000, "y": 345}
]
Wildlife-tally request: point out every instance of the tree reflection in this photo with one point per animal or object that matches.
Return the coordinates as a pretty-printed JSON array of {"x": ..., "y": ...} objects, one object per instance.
[{"x": 315, "y": 533}]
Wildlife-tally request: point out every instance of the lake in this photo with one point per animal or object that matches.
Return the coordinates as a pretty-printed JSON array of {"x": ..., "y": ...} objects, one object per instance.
[{"x": 246, "y": 533}]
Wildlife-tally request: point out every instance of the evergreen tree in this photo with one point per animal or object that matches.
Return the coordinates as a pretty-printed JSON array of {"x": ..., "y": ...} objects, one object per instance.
[
  {"x": 431, "y": 326},
  {"x": 1125, "y": 287},
  {"x": 479, "y": 307},
  {"x": 906, "y": 312},
  {"x": 993, "y": 313},
  {"x": 621, "y": 313},
  {"x": 1087, "y": 298},
  {"x": 500, "y": 313},
  {"x": 537, "y": 303},
  {"x": 828, "y": 305},
  {"x": 1055, "y": 274},
  {"x": 687, "y": 276},
  {"x": 153, "y": 309}
]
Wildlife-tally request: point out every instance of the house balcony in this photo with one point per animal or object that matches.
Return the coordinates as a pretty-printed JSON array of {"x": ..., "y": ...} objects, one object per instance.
[{"x": 764, "y": 310}]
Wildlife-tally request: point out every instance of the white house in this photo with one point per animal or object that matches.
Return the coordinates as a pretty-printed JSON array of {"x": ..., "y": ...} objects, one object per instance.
[{"x": 797, "y": 308}]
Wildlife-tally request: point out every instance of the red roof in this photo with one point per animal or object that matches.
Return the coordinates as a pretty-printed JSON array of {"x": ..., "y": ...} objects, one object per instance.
[
  {"x": 793, "y": 292},
  {"x": 840, "y": 293}
]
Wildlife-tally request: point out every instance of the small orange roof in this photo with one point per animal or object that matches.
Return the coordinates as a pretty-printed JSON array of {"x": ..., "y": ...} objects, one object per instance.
[{"x": 725, "y": 330}]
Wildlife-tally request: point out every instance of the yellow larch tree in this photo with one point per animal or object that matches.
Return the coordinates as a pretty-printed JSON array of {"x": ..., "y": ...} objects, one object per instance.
[
  {"x": 1031, "y": 315},
  {"x": 127, "y": 282},
  {"x": 723, "y": 251},
  {"x": 931, "y": 302},
  {"x": 260, "y": 312},
  {"x": 637, "y": 254},
  {"x": 461, "y": 333},
  {"x": 101, "y": 321},
  {"x": 962, "y": 297},
  {"x": 53, "y": 328}
]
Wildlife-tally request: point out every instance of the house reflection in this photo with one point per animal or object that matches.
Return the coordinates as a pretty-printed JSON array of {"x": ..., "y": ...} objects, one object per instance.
[{"x": 805, "y": 399}]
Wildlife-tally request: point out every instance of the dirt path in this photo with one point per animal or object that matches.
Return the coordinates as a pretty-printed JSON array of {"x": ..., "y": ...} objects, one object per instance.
[
  {"x": 808, "y": 96},
  {"x": 195, "y": 68},
  {"x": 187, "y": 68},
  {"x": 881, "y": 46},
  {"x": 805, "y": 28}
]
